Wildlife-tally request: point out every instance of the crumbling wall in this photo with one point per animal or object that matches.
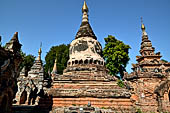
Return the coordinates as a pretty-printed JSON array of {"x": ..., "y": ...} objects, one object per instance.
[{"x": 9, "y": 71}]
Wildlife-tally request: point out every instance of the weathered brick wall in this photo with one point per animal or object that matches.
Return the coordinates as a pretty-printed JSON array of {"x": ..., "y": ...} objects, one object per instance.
[
  {"x": 144, "y": 94},
  {"x": 95, "y": 102},
  {"x": 9, "y": 70}
]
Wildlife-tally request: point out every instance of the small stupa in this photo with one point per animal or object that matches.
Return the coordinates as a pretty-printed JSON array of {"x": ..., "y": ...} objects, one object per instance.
[{"x": 29, "y": 87}]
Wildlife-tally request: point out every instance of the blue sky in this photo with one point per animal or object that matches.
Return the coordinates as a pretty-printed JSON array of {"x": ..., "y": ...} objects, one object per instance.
[{"x": 55, "y": 22}]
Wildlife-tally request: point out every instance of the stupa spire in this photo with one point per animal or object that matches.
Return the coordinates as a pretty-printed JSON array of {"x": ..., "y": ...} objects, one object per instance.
[
  {"x": 146, "y": 45},
  {"x": 54, "y": 71},
  {"x": 14, "y": 45},
  {"x": 85, "y": 28},
  {"x": 15, "y": 37},
  {"x": 146, "y": 49},
  {"x": 84, "y": 8},
  {"x": 143, "y": 28},
  {"x": 39, "y": 53},
  {"x": 85, "y": 12}
]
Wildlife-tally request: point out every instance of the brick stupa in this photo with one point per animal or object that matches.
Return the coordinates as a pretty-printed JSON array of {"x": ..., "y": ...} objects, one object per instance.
[
  {"x": 86, "y": 81},
  {"x": 150, "y": 78}
]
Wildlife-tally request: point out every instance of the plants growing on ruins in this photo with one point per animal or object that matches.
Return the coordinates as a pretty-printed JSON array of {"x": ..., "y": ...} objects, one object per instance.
[
  {"x": 139, "y": 110},
  {"x": 163, "y": 60},
  {"x": 116, "y": 55},
  {"x": 120, "y": 83}
]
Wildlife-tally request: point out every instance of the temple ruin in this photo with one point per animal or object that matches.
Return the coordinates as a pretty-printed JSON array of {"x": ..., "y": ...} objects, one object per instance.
[{"x": 85, "y": 85}]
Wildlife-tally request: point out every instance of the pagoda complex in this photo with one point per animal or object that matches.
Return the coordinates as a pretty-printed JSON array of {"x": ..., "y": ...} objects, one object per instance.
[{"x": 85, "y": 85}]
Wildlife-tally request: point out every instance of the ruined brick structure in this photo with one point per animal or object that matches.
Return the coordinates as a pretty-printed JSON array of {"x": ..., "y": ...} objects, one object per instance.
[
  {"x": 10, "y": 59},
  {"x": 32, "y": 96},
  {"x": 30, "y": 87},
  {"x": 150, "y": 79}
]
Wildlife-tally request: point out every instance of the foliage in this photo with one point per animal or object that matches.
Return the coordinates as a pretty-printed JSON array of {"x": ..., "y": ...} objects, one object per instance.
[
  {"x": 139, "y": 110},
  {"x": 62, "y": 53},
  {"x": 103, "y": 107},
  {"x": 116, "y": 55},
  {"x": 164, "y": 60},
  {"x": 120, "y": 83},
  {"x": 28, "y": 61},
  {"x": 73, "y": 104}
]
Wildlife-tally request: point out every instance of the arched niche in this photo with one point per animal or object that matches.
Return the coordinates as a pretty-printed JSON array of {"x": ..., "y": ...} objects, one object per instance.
[
  {"x": 95, "y": 61},
  {"x": 86, "y": 61},
  {"x": 162, "y": 91},
  {"x": 81, "y": 61},
  {"x": 23, "y": 97},
  {"x": 91, "y": 61},
  {"x": 72, "y": 62},
  {"x": 76, "y": 61},
  {"x": 99, "y": 62},
  {"x": 69, "y": 63}
]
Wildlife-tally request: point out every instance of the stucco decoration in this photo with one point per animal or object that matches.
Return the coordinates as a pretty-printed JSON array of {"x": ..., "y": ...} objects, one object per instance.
[{"x": 85, "y": 50}]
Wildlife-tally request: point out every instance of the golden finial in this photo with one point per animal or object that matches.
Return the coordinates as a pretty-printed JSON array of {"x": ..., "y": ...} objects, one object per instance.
[
  {"x": 143, "y": 26},
  {"x": 85, "y": 8},
  {"x": 40, "y": 51}
]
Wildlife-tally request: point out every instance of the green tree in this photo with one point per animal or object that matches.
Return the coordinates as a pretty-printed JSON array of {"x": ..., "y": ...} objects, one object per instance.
[
  {"x": 116, "y": 55},
  {"x": 28, "y": 61},
  {"x": 164, "y": 60},
  {"x": 62, "y": 53}
]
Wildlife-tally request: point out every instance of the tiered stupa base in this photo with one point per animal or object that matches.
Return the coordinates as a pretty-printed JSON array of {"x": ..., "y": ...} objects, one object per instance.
[{"x": 83, "y": 87}]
